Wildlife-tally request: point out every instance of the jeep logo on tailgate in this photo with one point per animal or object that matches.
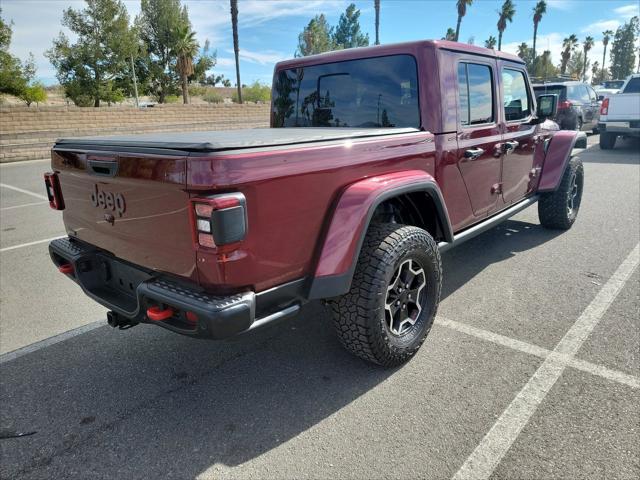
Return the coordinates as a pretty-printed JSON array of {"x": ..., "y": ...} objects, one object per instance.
[{"x": 109, "y": 201}]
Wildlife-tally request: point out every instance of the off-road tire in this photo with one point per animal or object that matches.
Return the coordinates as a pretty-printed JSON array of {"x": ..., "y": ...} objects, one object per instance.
[
  {"x": 553, "y": 208},
  {"x": 359, "y": 315},
  {"x": 607, "y": 140}
]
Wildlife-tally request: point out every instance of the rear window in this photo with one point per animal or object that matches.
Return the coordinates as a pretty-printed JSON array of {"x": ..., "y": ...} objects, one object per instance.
[
  {"x": 613, "y": 84},
  {"x": 633, "y": 86},
  {"x": 364, "y": 93},
  {"x": 550, "y": 90}
]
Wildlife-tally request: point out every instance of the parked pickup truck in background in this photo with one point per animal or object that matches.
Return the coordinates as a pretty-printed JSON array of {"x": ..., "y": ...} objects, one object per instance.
[
  {"x": 620, "y": 114},
  {"x": 377, "y": 160}
]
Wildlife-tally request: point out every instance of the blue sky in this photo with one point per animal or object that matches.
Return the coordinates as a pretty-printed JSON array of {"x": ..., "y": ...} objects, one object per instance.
[{"x": 269, "y": 28}]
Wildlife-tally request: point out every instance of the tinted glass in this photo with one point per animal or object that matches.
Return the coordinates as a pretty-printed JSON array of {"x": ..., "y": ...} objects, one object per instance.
[
  {"x": 476, "y": 106},
  {"x": 516, "y": 97},
  {"x": 463, "y": 93},
  {"x": 592, "y": 94},
  {"x": 613, "y": 84},
  {"x": 584, "y": 94},
  {"x": 551, "y": 90},
  {"x": 365, "y": 93},
  {"x": 574, "y": 92},
  {"x": 633, "y": 86}
]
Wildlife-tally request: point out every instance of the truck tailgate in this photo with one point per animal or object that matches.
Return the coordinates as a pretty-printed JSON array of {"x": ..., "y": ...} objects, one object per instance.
[
  {"x": 134, "y": 205},
  {"x": 624, "y": 106}
]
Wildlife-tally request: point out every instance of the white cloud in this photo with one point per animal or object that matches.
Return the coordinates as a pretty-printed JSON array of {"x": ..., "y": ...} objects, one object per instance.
[
  {"x": 564, "y": 5},
  {"x": 628, "y": 11},
  {"x": 599, "y": 27},
  {"x": 268, "y": 57}
]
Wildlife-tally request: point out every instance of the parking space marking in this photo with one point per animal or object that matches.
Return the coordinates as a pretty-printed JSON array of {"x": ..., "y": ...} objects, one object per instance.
[
  {"x": 23, "y": 205},
  {"x": 567, "y": 360},
  {"x": 47, "y": 342},
  {"x": 28, "y": 244},
  {"x": 488, "y": 454},
  {"x": 22, "y": 190}
]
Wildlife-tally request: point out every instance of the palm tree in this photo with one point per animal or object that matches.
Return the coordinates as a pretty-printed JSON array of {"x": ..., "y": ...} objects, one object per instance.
[
  {"x": 605, "y": 41},
  {"x": 538, "y": 11},
  {"x": 586, "y": 46},
  {"x": 569, "y": 44},
  {"x": 462, "y": 11},
  {"x": 236, "y": 46},
  {"x": 507, "y": 12},
  {"x": 490, "y": 42},
  {"x": 376, "y": 5},
  {"x": 185, "y": 48},
  {"x": 595, "y": 72},
  {"x": 450, "y": 35}
]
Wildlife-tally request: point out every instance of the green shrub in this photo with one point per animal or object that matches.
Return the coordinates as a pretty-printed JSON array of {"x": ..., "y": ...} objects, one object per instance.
[
  {"x": 171, "y": 99},
  {"x": 33, "y": 94},
  {"x": 212, "y": 97},
  {"x": 256, "y": 92},
  {"x": 198, "y": 91}
]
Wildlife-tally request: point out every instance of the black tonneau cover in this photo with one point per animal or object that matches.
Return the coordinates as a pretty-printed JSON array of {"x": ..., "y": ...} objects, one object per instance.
[{"x": 218, "y": 140}]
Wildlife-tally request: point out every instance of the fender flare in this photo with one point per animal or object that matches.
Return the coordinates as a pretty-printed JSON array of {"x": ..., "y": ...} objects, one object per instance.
[
  {"x": 349, "y": 223},
  {"x": 557, "y": 155}
]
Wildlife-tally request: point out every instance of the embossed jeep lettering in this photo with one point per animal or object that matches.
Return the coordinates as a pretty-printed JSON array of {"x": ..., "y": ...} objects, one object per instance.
[{"x": 108, "y": 200}]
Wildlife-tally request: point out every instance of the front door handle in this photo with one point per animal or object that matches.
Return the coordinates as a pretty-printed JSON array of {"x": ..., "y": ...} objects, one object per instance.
[
  {"x": 509, "y": 146},
  {"x": 473, "y": 153}
]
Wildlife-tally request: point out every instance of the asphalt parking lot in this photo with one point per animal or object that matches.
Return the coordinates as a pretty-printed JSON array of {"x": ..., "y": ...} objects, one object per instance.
[{"x": 531, "y": 371}]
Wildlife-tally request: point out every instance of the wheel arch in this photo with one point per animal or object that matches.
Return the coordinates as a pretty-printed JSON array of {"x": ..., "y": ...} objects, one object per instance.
[
  {"x": 355, "y": 211},
  {"x": 556, "y": 159}
]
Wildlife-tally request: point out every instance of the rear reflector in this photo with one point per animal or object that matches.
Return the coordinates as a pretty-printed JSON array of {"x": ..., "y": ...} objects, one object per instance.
[
  {"x": 54, "y": 192},
  {"x": 219, "y": 220},
  {"x": 66, "y": 268}
]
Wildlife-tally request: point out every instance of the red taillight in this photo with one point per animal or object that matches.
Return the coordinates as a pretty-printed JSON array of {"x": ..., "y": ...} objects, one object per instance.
[
  {"x": 565, "y": 105},
  {"x": 54, "y": 192},
  {"x": 218, "y": 220},
  {"x": 66, "y": 268},
  {"x": 604, "y": 108},
  {"x": 158, "y": 315}
]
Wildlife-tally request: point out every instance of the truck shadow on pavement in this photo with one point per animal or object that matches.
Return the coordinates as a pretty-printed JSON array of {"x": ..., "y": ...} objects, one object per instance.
[
  {"x": 145, "y": 403},
  {"x": 626, "y": 152}
]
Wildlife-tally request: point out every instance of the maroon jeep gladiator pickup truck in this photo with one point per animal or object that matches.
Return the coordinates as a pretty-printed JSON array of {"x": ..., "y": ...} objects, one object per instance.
[{"x": 377, "y": 160}]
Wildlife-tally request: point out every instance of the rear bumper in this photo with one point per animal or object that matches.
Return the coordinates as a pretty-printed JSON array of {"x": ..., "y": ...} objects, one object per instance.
[
  {"x": 621, "y": 127},
  {"x": 130, "y": 290}
]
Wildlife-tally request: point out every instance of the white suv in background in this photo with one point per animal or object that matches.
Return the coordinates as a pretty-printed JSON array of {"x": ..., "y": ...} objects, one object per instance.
[{"x": 620, "y": 114}]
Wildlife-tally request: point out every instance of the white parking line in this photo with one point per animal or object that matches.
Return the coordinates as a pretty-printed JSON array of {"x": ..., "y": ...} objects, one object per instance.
[
  {"x": 23, "y": 205},
  {"x": 22, "y": 190},
  {"x": 488, "y": 454},
  {"x": 567, "y": 360},
  {"x": 47, "y": 342},
  {"x": 28, "y": 244}
]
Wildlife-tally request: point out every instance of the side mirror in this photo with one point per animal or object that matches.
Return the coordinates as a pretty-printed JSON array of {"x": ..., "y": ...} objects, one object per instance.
[{"x": 547, "y": 106}]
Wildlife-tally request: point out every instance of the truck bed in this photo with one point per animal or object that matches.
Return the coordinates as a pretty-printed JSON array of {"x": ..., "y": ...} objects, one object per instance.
[{"x": 221, "y": 140}]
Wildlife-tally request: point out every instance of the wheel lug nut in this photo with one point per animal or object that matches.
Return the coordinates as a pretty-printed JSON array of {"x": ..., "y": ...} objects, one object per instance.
[
  {"x": 398, "y": 302},
  {"x": 400, "y": 290}
]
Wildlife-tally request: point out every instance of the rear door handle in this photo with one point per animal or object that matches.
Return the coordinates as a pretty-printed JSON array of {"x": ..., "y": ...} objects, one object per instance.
[{"x": 473, "y": 153}]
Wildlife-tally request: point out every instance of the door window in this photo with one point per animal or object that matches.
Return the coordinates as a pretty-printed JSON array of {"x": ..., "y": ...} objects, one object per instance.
[
  {"x": 584, "y": 94},
  {"x": 592, "y": 94},
  {"x": 475, "y": 90},
  {"x": 515, "y": 95}
]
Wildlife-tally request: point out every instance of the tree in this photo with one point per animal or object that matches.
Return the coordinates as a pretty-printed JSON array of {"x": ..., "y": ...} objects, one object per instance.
[
  {"x": 623, "y": 49},
  {"x": 526, "y": 54},
  {"x": 317, "y": 37},
  {"x": 606, "y": 36},
  {"x": 450, "y": 35},
  {"x": 538, "y": 11},
  {"x": 544, "y": 67},
  {"x": 575, "y": 66},
  {"x": 14, "y": 74},
  {"x": 158, "y": 24},
  {"x": 506, "y": 14},
  {"x": 490, "y": 42},
  {"x": 569, "y": 45},
  {"x": 348, "y": 34},
  {"x": 461, "y": 5},
  {"x": 595, "y": 73},
  {"x": 205, "y": 62},
  {"x": 104, "y": 42},
  {"x": 33, "y": 94},
  {"x": 586, "y": 46},
  {"x": 236, "y": 45},
  {"x": 185, "y": 49},
  {"x": 376, "y": 6}
]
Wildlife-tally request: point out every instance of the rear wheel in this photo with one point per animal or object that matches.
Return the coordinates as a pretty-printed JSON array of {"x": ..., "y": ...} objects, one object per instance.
[
  {"x": 394, "y": 295},
  {"x": 559, "y": 209},
  {"x": 607, "y": 140}
]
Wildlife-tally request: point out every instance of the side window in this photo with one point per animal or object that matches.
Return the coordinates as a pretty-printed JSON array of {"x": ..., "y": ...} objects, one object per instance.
[
  {"x": 584, "y": 94},
  {"x": 517, "y": 105},
  {"x": 573, "y": 93},
  {"x": 475, "y": 89},
  {"x": 633, "y": 86},
  {"x": 592, "y": 94}
]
